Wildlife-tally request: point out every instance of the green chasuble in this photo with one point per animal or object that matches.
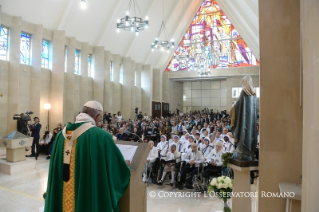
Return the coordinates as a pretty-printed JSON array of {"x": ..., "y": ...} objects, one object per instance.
[{"x": 99, "y": 174}]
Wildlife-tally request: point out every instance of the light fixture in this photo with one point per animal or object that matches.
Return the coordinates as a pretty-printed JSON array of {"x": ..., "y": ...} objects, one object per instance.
[
  {"x": 83, "y": 4},
  {"x": 162, "y": 44},
  {"x": 133, "y": 24}
]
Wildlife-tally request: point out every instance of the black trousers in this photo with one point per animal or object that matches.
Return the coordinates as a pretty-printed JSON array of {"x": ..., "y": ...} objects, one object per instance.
[
  {"x": 35, "y": 144},
  {"x": 211, "y": 170},
  {"x": 188, "y": 169}
]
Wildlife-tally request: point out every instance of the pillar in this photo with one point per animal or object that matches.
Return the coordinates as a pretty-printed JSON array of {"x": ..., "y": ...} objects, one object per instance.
[
  {"x": 107, "y": 83},
  {"x": 117, "y": 100},
  {"x": 138, "y": 89},
  {"x": 84, "y": 84},
  {"x": 146, "y": 77},
  {"x": 98, "y": 81}
]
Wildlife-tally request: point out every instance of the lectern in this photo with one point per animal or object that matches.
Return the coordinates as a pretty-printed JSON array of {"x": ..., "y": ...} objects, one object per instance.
[{"x": 134, "y": 198}]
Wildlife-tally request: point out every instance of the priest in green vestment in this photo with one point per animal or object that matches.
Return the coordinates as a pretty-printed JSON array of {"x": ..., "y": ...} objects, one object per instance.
[
  {"x": 244, "y": 121},
  {"x": 87, "y": 170}
]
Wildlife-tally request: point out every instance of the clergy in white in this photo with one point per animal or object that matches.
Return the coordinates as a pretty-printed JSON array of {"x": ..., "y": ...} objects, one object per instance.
[{"x": 152, "y": 155}]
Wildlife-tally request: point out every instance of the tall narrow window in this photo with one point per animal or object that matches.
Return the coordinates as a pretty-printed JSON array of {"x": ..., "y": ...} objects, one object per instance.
[
  {"x": 77, "y": 62},
  {"x": 89, "y": 66},
  {"x": 25, "y": 47},
  {"x": 4, "y": 43},
  {"x": 45, "y": 54},
  {"x": 65, "y": 59},
  {"x": 111, "y": 70},
  {"x": 135, "y": 78},
  {"x": 121, "y": 74}
]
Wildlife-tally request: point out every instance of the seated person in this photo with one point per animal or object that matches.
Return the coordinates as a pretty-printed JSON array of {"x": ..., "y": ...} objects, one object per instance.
[
  {"x": 45, "y": 141},
  {"x": 206, "y": 148},
  {"x": 171, "y": 141},
  {"x": 121, "y": 135},
  {"x": 193, "y": 159},
  {"x": 153, "y": 132},
  {"x": 162, "y": 146},
  {"x": 215, "y": 161},
  {"x": 152, "y": 155},
  {"x": 135, "y": 136},
  {"x": 228, "y": 146},
  {"x": 170, "y": 167},
  {"x": 184, "y": 133},
  {"x": 175, "y": 142}
]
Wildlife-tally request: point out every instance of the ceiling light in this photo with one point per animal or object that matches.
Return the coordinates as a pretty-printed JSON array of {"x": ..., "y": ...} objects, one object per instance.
[
  {"x": 134, "y": 24},
  {"x": 83, "y": 4}
]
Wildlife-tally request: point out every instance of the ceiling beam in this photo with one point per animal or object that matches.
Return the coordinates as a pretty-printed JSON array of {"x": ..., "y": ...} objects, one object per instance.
[
  {"x": 150, "y": 5},
  {"x": 64, "y": 14},
  {"x": 179, "y": 34},
  {"x": 108, "y": 23}
]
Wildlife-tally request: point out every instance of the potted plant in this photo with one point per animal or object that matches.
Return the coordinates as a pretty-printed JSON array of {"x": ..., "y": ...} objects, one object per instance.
[{"x": 222, "y": 187}]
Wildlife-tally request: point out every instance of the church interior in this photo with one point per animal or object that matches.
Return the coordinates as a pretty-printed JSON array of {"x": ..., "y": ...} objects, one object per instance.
[{"x": 194, "y": 71}]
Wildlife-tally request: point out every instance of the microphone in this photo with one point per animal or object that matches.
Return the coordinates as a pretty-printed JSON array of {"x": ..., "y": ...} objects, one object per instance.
[{"x": 140, "y": 140}]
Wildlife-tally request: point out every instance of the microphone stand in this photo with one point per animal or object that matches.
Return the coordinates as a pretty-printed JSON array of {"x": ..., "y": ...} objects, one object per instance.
[{"x": 140, "y": 140}]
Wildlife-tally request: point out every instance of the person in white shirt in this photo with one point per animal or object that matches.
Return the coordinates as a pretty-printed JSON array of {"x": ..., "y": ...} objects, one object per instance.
[
  {"x": 228, "y": 146},
  {"x": 231, "y": 139},
  {"x": 215, "y": 161},
  {"x": 204, "y": 128},
  {"x": 163, "y": 147},
  {"x": 225, "y": 131},
  {"x": 218, "y": 138},
  {"x": 184, "y": 133},
  {"x": 197, "y": 139},
  {"x": 193, "y": 160},
  {"x": 206, "y": 148},
  {"x": 171, "y": 141},
  {"x": 45, "y": 141},
  {"x": 152, "y": 155},
  {"x": 177, "y": 143},
  {"x": 172, "y": 158}
]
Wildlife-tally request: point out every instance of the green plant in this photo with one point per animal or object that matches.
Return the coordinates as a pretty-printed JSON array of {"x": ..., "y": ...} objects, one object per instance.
[{"x": 226, "y": 158}]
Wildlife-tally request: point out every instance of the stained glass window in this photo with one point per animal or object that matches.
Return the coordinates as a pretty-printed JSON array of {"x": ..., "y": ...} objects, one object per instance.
[
  {"x": 211, "y": 42},
  {"x": 25, "y": 47},
  {"x": 45, "y": 54},
  {"x": 111, "y": 70},
  {"x": 90, "y": 64},
  {"x": 77, "y": 62},
  {"x": 4, "y": 43}
]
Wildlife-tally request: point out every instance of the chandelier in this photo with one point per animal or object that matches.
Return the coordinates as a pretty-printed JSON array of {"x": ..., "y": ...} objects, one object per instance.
[
  {"x": 162, "y": 44},
  {"x": 134, "y": 24}
]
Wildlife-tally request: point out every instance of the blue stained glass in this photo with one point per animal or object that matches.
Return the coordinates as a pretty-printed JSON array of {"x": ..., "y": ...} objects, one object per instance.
[
  {"x": 77, "y": 62},
  {"x": 45, "y": 54},
  {"x": 25, "y": 49},
  {"x": 89, "y": 68},
  {"x": 3, "y": 43}
]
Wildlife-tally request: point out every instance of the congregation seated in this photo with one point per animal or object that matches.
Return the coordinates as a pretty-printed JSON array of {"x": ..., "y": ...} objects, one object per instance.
[{"x": 228, "y": 146}]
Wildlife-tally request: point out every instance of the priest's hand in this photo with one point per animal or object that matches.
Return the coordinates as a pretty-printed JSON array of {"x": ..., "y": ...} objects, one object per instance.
[{"x": 128, "y": 162}]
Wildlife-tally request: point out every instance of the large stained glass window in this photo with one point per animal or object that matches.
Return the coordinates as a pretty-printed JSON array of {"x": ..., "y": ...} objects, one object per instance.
[
  {"x": 90, "y": 74},
  {"x": 45, "y": 54},
  {"x": 211, "y": 42},
  {"x": 4, "y": 43},
  {"x": 77, "y": 62},
  {"x": 25, "y": 47}
]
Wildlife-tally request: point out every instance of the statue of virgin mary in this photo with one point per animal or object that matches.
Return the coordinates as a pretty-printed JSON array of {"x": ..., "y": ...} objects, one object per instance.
[{"x": 244, "y": 121}]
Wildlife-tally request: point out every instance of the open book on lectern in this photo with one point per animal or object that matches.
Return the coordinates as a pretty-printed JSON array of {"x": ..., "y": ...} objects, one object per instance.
[{"x": 128, "y": 151}]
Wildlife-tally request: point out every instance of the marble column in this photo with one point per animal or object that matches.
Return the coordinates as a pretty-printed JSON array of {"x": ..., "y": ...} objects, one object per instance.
[
  {"x": 165, "y": 87},
  {"x": 133, "y": 96},
  {"x": 157, "y": 85},
  {"x": 36, "y": 70},
  {"x": 13, "y": 78},
  {"x": 146, "y": 77},
  {"x": 117, "y": 100},
  {"x": 98, "y": 81},
  {"x": 84, "y": 93},
  {"x": 69, "y": 84},
  {"x": 280, "y": 158},
  {"x": 57, "y": 78},
  {"x": 310, "y": 146},
  {"x": 107, "y": 83},
  {"x": 138, "y": 89}
]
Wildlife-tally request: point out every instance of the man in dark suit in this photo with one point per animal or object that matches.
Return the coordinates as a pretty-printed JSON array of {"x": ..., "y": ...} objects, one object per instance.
[
  {"x": 153, "y": 133},
  {"x": 121, "y": 135},
  {"x": 35, "y": 133}
]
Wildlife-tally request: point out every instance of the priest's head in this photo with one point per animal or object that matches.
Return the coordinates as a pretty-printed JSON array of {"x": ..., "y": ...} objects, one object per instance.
[{"x": 93, "y": 109}]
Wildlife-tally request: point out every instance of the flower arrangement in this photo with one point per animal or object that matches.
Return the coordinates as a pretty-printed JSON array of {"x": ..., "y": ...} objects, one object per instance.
[
  {"x": 223, "y": 187},
  {"x": 226, "y": 158}
]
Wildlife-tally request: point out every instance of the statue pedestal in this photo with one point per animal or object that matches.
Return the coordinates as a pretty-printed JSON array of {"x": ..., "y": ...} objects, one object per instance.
[
  {"x": 9, "y": 168},
  {"x": 242, "y": 184}
]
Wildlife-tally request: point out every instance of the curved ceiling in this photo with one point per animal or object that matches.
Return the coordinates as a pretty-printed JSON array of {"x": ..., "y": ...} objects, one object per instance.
[{"x": 96, "y": 24}]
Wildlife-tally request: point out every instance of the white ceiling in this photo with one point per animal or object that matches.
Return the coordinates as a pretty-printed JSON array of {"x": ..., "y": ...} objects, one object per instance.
[{"x": 97, "y": 23}]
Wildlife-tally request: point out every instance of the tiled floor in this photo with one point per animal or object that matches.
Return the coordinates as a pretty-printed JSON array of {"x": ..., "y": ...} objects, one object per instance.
[{"x": 23, "y": 193}]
